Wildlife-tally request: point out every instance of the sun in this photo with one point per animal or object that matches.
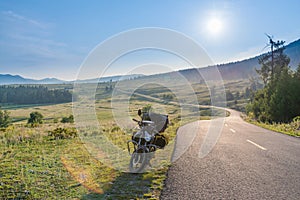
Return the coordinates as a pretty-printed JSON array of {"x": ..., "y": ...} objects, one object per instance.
[{"x": 214, "y": 26}]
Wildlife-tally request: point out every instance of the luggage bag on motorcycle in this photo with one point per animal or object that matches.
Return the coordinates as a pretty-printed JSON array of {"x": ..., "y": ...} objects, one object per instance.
[
  {"x": 161, "y": 140},
  {"x": 161, "y": 121}
]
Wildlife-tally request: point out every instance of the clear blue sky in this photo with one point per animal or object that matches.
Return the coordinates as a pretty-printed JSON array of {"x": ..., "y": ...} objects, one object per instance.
[{"x": 51, "y": 38}]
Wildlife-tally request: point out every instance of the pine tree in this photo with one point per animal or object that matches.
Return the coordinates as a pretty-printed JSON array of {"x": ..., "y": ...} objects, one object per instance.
[{"x": 279, "y": 100}]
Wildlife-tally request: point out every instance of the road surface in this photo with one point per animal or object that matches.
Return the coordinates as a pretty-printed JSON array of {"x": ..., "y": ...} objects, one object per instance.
[{"x": 248, "y": 162}]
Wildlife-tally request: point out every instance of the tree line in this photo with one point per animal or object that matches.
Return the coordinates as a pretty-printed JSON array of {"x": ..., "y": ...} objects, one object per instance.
[
  {"x": 279, "y": 99},
  {"x": 33, "y": 95}
]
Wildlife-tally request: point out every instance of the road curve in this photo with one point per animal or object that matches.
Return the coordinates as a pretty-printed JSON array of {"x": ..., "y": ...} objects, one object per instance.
[{"x": 248, "y": 162}]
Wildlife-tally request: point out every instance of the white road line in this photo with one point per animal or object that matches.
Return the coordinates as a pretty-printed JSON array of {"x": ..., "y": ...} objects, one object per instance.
[
  {"x": 263, "y": 148},
  {"x": 232, "y": 130}
]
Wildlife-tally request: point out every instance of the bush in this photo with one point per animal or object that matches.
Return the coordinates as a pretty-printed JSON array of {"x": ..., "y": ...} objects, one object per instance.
[
  {"x": 229, "y": 95},
  {"x": 63, "y": 133},
  {"x": 296, "y": 123},
  {"x": 69, "y": 119},
  {"x": 115, "y": 129},
  {"x": 35, "y": 118},
  {"x": 4, "y": 119},
  {"x": 167, "y": 97}
]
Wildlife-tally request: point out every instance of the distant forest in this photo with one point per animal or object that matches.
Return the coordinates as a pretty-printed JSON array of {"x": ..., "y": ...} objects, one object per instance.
[{"x": 33, "y": 95}]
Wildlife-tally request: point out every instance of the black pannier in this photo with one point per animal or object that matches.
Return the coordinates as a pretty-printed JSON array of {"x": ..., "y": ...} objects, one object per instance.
[{"x": 161, "y": 140}]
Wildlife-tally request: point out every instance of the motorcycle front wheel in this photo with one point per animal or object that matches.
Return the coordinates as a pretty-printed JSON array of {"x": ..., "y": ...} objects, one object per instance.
[{"x": 138, "y": 161}]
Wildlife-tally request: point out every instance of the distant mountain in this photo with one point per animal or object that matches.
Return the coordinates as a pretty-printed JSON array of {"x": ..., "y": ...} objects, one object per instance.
[
  {"x": 229, "y": 71},
  {"x": 8, "y": 79},
  {"x": 236, "y": 70},
  {"x": 50, "y": 81},
  {"x": 246, "y": 68}
]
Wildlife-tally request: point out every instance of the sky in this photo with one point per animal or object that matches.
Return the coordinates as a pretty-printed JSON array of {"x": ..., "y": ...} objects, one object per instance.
[{"x": 52, "y": 38}]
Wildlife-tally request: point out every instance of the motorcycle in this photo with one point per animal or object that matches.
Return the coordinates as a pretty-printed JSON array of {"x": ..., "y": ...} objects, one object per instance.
[{"x": 146, "y": 140}]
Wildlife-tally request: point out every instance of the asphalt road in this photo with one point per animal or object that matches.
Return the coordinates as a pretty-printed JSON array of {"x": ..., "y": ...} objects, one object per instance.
[{"x": 248, "y": 162}]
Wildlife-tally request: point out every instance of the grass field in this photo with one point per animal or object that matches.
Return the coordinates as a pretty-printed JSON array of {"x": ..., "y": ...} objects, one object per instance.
[
  {"x": 34, "y": 165},
  {"x": 292, "y": 128}
]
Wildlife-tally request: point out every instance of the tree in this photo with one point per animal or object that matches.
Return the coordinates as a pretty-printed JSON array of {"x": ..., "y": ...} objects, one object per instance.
[
  {"x": 279, "y": 100},
  {"x": 259, "y": 105},
  {"x": 297, "y": 74},
  {"x": 4, "y": 118},
  {"x": 237, "y": 95},
  {"x": 33, "y": 95},
  {"x": 167, "y": 97},
  {"x": 229, "y": 95},
  {"x": 247, "y": 93},
  {"x": 285, "y": 97},
  {"x": 35, "y": 118}
]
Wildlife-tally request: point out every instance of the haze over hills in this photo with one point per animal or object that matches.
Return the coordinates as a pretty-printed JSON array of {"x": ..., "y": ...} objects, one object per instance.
[
  {"x": 242, "y": 69},
  {"x": 246, "y": 68},
  {"x": 229, "y": 71},
  {"x": 8, "y": 79},
  {"x": 110, "y": 78}
]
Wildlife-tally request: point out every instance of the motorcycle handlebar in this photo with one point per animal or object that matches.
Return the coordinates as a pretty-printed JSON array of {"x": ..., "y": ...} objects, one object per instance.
[{"x": 136, "y": 120}]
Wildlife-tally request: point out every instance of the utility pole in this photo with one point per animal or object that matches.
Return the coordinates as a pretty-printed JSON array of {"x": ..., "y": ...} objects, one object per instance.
[
  {"x": 277, "y": 45},
  {"x": 272, "y": 58}
]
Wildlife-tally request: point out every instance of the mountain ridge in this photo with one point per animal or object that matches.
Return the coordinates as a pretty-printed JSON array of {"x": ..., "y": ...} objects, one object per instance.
[
  {"x": 8, "y": 79},
  {"x": 246, "y": 68},
  {"x": 242, "y": 69}
]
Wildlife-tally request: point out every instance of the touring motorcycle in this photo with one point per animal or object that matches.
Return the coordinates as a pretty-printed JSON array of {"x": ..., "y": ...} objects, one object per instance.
[{"x": 146, "y": 140}]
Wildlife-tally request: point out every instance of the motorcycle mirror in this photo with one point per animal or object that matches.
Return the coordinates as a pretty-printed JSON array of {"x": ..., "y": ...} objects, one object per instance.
[{"x": 139, "y": 112}]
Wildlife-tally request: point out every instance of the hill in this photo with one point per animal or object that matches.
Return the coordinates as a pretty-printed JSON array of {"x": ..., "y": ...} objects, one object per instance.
[
  {"x": 236, "y": 70},
  {"x": 229, "y": 71},
  {"x": 11, "y": 79},
  {"x": 111, "y": 78},
  {"x": 246, "y": 68},
  {"x": 8, "y": 79}
]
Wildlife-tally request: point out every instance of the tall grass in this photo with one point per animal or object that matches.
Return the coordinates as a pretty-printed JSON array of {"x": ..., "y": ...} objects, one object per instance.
[{"x": 292, "y": 128}]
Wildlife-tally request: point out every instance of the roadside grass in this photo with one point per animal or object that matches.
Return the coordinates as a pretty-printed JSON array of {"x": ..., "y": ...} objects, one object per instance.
[{"x": 292, "y": 129}]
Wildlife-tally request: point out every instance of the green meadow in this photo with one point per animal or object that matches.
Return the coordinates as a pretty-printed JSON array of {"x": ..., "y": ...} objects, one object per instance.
[{"x": 37, "y": 164}]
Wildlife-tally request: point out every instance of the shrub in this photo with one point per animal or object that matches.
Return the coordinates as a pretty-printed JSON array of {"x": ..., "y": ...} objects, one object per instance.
[
  {"x": 4, "y": 119},
  {"x": 296, "y": 123},
  {"x": 63, "y": 133},
  {"x": 35, "y": 118},
  {"x": 69, "y": 119},
  {"x": 115, "y": 129}
]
